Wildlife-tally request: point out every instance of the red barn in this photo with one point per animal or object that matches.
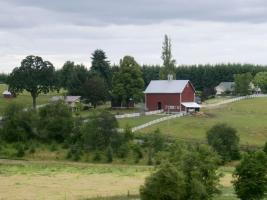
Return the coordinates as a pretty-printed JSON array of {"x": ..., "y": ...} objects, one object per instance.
[{"x": 171, "y": 96}]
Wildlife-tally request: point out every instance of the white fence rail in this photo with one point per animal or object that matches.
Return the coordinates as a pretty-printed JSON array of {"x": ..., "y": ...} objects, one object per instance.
[
  {"x": 130, "y": 115},
  {"x": 233, "y": 100},
  {"x": 127, "y": 115},
  {"x": 154, "y": 112}
]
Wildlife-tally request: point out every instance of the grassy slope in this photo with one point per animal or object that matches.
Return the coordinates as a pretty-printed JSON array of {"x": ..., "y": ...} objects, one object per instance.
[
  {"x": 249, "y": 117},
  {"x": 68, "y": 180},
  {"x": 24, "y": 98},
  {"x": 136, "y": 121}
]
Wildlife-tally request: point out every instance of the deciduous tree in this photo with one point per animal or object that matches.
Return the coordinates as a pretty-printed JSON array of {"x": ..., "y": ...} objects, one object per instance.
[
  {"x": 224, "y": 140},
  {"x": 242, "y": 83},
  {"x": 260, "y": 80},
  {"x": 250, "y": 176},
  {"x": 72, "y": 77},
  {"x": 34, "y": 75},
  {"x": 128, "y": 83},
  {"x": 95, "y": 90}
]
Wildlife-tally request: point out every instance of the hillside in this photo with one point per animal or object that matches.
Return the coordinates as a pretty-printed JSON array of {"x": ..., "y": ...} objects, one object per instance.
[{"x": 249, "y": 117}]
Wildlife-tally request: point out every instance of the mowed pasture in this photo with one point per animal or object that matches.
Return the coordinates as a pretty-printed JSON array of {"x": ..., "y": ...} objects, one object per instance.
[
  {"x": 62, "y": 180},
  {"x": 72, "y": 181},
  {"x": 249, "y": 117},
  {"x": 24, "y": 98}
]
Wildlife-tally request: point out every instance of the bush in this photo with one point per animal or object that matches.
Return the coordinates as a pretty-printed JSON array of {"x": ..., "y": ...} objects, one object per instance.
[
  {"x": 155, "y": 140},
  {"x": 97, "y": 156},
  {"x": 100, "y": 131},
  {"x": 18, "y": 124},
  {"x": 137, "y": 152},
  {"x": 123, "y": 150},
  {"x": 250, "y": 176},
  {"x": 224, "y": 140},
  {"x": 167, "y": 183},
  {"x": 265, "y": 148},
  {"x": 56, "y": 122},
  {"x": 191, "y": 173},
  {"x": 20, "y": 150},
  {"x": 74, "y": 153},
  {"x": 109, "y": 154}
]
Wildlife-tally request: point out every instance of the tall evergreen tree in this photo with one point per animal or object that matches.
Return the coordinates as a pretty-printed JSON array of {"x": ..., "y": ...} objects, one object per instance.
[
  {"x": 168, "y": 61},
  {"x": 101, "y": 66}
]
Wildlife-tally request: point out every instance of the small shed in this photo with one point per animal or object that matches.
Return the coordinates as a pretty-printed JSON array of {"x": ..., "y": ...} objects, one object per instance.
[{"x": 7, "y": 94}]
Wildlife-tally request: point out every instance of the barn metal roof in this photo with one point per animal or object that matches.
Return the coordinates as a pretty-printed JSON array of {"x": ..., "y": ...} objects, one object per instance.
[
  {"x": 166, "y": 86},
  {"x": 72, "y": 98},
  {"x": 191, "y": 105},
  {"x": 6, "y": 92}
]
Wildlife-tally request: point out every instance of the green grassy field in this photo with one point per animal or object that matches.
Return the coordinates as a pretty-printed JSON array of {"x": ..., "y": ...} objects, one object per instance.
[
  {"x": 70, "y": 180},
  {"x": 136, "y": 121},
  {"x": 217, "y": 99},
  {"x": 25, "y": 98},
  {"x": 52, "y": 180},
  {"x": 249, "y": 117}
]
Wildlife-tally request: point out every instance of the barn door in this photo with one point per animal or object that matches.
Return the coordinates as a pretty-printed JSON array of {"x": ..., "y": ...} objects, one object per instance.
[{"x": 159, "y": 106}]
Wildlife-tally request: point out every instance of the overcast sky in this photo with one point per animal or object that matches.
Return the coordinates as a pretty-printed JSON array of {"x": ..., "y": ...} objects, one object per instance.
[{"x": 202, "y": 31}]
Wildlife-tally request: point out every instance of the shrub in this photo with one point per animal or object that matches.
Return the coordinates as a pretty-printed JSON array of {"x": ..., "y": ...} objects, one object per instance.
[
  {"x": 265, "y": 148},
  {"x": 167, "y": 183},
  {"x": 137, "y": 152},
  {"x": 250, "y": 176},
  {"x": 97, "y": 156},
  {"x": 100, "y": 131},
  {"x": 18, "y": 124},
  {"x": 224, "y": 140},
  {"x": 109, "y": 154},
  {"x": 56, "y": 122},
  {"x": 74, "y": 153},
  {"x": 190, "y": 173},
  {"x": 155, "y": 140},
  {"x": 123, "y": 150},
  {"x": 20, "y": 150}
]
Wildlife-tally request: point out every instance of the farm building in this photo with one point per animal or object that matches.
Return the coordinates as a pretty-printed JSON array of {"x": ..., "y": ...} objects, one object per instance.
[
  {"x": 7, "y": 94},
  {"x": 225, "y": 87},
  {"x": 171, "y": 96},
  {"x": 72, "y": 101}
]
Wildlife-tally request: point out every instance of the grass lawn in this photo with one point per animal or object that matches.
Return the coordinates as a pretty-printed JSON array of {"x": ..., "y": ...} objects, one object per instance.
[
  {"x": 68, "y": 180},
  {"x": 217, "y": 99},
  {"x": 249, "y": 117},
  {"x": 25, "y": 98},
  {"x": 136, "y": 121}
]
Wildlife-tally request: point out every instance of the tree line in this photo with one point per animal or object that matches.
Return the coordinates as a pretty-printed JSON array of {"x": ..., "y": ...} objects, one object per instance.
[{"x": 125, "y": 82}]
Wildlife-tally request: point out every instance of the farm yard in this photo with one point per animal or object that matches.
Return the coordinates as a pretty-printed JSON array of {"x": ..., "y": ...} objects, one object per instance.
[{"x": 68, "y": 180}]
